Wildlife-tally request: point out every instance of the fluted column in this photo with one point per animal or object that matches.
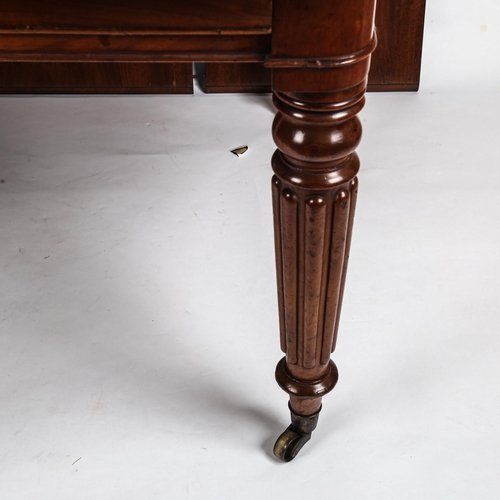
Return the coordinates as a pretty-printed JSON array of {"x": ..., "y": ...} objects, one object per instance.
[
  {"x": 314, "y": 194},
  {"x": 319, "y": 82}
]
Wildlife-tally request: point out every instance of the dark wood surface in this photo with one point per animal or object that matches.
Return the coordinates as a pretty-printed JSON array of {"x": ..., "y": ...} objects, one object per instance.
[
  {"x": 64, "y": 47},
  {"x": 95, "y": 78},
  {"x": 314, "y": 188},
  {"x": 236, "y": 77},
  {"x": 130, "y": 16},
  {"x": 319, "y": 71},
  {"x": 400, "y": 29},
  {"x": 132, "y": 31},
  {"x": 395, "y": 63},
  {"x": 319, "y": 56}
]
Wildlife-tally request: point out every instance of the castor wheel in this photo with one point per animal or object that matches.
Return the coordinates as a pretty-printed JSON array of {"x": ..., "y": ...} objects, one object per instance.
[
  {"x": 295, "y": 436},
  {"x": 289, "y": 444}
]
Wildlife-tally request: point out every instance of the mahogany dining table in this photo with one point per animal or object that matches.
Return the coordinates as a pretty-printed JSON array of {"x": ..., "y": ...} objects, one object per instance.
[{"x": 318, "y": 54}]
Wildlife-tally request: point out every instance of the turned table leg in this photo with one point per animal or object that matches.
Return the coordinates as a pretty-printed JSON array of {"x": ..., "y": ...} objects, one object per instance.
[
  {"x": 316, "y": 131},
  {"x": 313, "y": 209}
]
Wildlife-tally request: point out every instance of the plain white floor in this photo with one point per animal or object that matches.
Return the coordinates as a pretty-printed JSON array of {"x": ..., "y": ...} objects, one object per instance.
[{"x": 138, "y": 323}]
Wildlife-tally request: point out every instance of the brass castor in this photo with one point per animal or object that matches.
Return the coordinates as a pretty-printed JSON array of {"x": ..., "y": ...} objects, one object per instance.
[
  {"x": 289, "y": 444},
  {"x": 295, "y": 436}
]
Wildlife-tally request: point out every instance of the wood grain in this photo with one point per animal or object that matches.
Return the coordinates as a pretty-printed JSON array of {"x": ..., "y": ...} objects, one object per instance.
[
  {"x": 316, "y": 131},
  {"x": 237, "y": 77},
  {"x": 95, "y": 78},
  {"x": 318, "y": 53},
  {"x": 129, "y": 16},
  {"x": 395, "y": 64},
  {"x": 63, "y": 47}
]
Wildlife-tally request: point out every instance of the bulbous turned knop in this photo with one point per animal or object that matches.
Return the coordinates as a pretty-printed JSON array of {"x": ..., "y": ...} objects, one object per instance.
[{"x": 314, "y": 141}]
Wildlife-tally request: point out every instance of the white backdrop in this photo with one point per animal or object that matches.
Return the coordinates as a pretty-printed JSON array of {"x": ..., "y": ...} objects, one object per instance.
[{"x": 461, "y": 45}]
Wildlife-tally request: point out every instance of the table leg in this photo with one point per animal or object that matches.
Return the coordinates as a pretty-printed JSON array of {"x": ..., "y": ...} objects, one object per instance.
[
  {"x": 316, "y": 131},
  {"x": 313, "y": 210}
]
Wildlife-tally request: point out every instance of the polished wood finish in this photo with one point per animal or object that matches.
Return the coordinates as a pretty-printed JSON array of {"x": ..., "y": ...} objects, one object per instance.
[
  {"x": 400, "y": 30},
  {"x": 395, "y": 64},
  {"x": 319, "y": 56},
  {"x": 95, "y": 78},
  {"x": 129, "y": 31},
  {"x": 237, "y": 77},
  {"x": 120, "y": 17},
  {"x": 319, "y": 83},
  {"x": 63, "y": 47}
]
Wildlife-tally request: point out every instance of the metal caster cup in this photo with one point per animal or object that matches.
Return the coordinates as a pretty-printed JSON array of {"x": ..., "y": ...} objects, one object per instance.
[{"x": 295, "y": 436}]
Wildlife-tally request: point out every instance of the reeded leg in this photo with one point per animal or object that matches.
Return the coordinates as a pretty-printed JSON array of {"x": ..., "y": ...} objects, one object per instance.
[
  {"x": 314, "y": 189},
  {"x": 314, "y": 193}
]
